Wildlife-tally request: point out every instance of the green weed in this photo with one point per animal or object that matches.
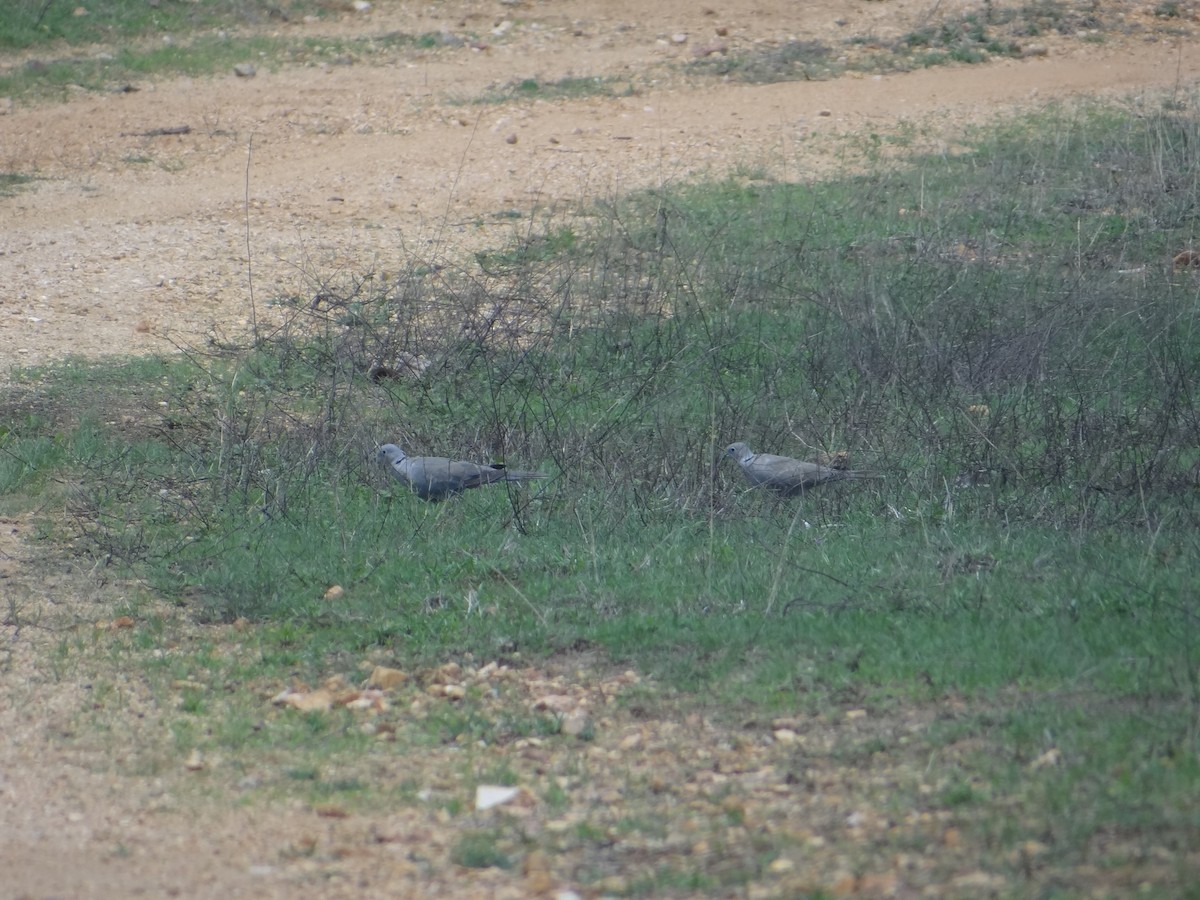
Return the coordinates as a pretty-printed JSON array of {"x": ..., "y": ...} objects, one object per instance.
[
  {"x": 562, "y": 89},
  {"x": 480, "y": 850},
  {"x": 12, "y": 182}
]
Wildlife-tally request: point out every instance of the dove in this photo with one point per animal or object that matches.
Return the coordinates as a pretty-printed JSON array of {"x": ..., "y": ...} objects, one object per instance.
[
  {"x": 784, "y": 475},
  {"x": 436, "y": 477}
]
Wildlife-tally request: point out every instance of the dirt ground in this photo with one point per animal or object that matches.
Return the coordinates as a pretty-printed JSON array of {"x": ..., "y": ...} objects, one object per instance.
[
  {"x": 129, "y": 238},
  {"x": 130, "y": 242}
]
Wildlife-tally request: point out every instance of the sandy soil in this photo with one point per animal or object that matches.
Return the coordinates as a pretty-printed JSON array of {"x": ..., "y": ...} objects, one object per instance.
[{"x": 127, "y": 240}]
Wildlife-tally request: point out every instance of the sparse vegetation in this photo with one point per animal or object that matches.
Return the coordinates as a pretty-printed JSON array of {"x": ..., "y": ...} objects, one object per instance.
[
  {"x": 169, "y": 39},
  {"x": 560, "y": 89},
  {"x": 964, "y": 326},
  {"x": 789, "y": 61},
  {"x": 203, "y": 54},
  {"x": 995, "y": 32},
  {"x": 182, "y": 39},
  {"x": 12, "y": 182},
  {"x": 480, "y": 850}
]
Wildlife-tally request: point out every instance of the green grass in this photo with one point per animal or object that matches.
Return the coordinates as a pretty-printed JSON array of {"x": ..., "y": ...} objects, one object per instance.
[
  {"x": 1055, "y": 522},
  {"x": 481, "y": 850},
  {"x": 34, "y": 23},
  {"x": 203, "y": 54},
  {"x": 12, "y": 182},
  {"x": 176, "y": 39},
  {"x": 569, "y": 88},
  {"x": 997, "y": 333}
]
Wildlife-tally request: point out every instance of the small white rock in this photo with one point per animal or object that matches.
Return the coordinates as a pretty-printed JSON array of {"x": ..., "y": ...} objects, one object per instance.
[{"x": 488, "y": 796}]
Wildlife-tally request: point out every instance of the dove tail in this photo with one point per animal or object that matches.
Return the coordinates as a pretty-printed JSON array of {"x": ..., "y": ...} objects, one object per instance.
[{"x": 524, "y": 476}]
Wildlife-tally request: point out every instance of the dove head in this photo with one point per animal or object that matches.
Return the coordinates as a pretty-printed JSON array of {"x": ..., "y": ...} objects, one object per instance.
[
  {"x": 739, "y": 451},
  {"x": 391, "y": 453}
]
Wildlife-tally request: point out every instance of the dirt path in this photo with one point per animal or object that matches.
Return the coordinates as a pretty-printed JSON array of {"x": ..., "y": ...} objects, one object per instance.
[
  {"x": 129, "y": 238},
  {"x": 126, "y": 239}
]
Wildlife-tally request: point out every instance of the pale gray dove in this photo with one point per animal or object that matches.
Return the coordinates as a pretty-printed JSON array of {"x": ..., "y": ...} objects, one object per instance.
[
  {"x": 784, "y": 475},
  {"x": 436, "y": 477}
]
